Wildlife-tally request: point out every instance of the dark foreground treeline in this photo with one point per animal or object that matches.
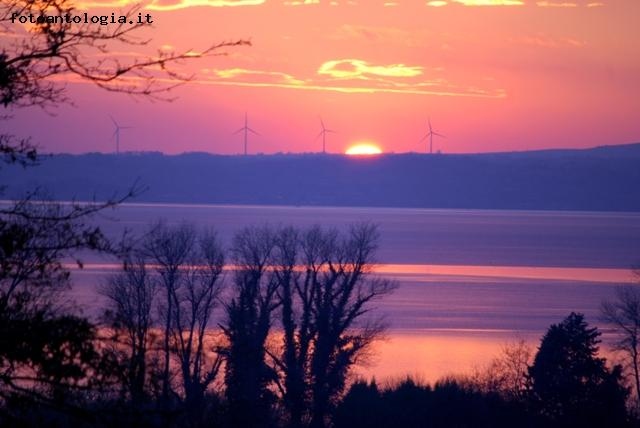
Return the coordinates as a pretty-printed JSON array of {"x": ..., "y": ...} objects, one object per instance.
[{"x": 566, "y": 385}]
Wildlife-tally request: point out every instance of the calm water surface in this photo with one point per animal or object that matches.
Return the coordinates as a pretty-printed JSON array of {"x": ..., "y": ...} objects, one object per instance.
[{"x": 470, "y": 281}]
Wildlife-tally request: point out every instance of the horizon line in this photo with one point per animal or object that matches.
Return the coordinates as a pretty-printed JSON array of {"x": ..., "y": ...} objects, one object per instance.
[{"x": 327, "y": 154}]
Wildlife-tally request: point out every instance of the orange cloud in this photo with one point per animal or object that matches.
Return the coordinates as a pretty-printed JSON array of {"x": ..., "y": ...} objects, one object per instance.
[
  {"x": 568, "y": 4},
  {"x": 358, "y": 69},
  {"x": 301, "y": 2},
  {"x": 556, "y": 4},
  {"x": 111, "y": 4},
  {"x": 256, "y": 76},
  {"x": 490, "y": 2},
  {"x": 166, "y": 5},
  {"x": 351, "y": 76},
  {"x": 181, "y": 4},
  {"x": 540, "y": 3},
  {"x": 169, "y": 5},
  {"x": 438, "y": 3}
]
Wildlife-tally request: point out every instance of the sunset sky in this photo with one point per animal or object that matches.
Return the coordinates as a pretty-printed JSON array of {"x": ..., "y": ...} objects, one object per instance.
[{"x": 493, "y": 75}]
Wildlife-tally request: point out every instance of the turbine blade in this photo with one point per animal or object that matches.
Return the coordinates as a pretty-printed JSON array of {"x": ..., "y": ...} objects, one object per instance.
[
  {"x": 424, "y": 138},
  {"x": 251, "y": 130},
  {"x": 322, "y": 124},
  {"x": 238, "y": 131},
  {"x": 330, "y": 130},
  {"x": 439, "y": 135},
  {"x": 320, "y": 134}
]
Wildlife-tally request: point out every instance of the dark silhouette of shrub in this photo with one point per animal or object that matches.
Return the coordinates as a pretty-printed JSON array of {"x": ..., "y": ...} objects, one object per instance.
[{"x": 450, "y": 403}]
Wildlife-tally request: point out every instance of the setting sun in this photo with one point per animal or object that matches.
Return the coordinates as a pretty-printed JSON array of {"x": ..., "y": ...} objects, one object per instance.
[{"x": 360, "y": 149}]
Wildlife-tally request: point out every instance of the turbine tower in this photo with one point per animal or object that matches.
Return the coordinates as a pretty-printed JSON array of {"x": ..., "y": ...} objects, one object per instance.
[
  {"x": 116, "y": 133},
  {"x": 430, "y": 135},
  {"x": 323, "y": 133},
  {"x": 246, "y": 129}
]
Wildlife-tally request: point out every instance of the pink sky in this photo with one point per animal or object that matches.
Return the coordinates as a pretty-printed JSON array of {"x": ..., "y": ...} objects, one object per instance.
[{"x": 492, "y": 75}]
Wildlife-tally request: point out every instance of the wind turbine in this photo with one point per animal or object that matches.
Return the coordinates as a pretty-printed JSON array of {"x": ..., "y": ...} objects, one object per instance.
[
  {"x": 430, "y": 135},
  {"x": 116, "y": 133},
  {"x": 246, "y": 129},
  {"x": 324, "y": 136}
]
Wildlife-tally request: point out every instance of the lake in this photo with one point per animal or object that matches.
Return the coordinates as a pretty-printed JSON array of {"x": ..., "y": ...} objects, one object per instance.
[{"x": 469, "y": 280}]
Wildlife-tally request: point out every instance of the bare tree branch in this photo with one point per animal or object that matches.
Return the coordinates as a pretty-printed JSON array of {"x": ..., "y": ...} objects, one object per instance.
[{"x": 67, "y": 49}]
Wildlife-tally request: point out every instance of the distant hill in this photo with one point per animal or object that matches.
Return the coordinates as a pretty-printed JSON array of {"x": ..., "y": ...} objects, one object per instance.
[{"x": 599, "y": 179}]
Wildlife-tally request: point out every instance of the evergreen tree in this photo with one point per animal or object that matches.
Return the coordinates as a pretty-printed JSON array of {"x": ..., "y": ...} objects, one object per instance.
[{"x": 570, "y": 384}]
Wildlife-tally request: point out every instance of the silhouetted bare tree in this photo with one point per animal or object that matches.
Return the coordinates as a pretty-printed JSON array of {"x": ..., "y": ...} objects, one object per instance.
[
  {"x": 186, "y": 266},
  {"x": 507, "y": 374},
  {"x": 342, "y": 297},
  {"x": 623, "y": 313},
  {"x": 325, "y": 291},
  {"x": 44, "y": 349},
  {"x": 193, "y": 305},
  {"x": 39, "y": 334},
  {"x": 130, "y": 301},
  {"x": 169, "y": 249},
  {"x": 29, "y": 59},
  {"x": 296, "y": 295},
  {"x": 248, "y": 323}
]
